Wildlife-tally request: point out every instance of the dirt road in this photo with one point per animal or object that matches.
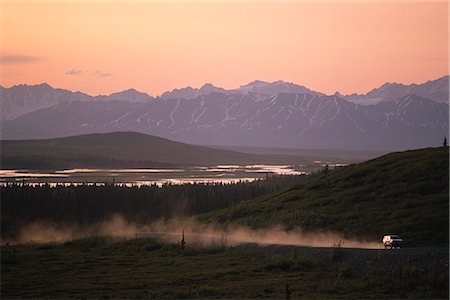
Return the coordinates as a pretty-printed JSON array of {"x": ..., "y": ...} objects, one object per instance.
[{"x": 361, "y": 260}]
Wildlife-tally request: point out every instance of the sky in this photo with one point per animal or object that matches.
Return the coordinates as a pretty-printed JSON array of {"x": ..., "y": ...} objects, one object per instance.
[{"x": 101, "y": 47}]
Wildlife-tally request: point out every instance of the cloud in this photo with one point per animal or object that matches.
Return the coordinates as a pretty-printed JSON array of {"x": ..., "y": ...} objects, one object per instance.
[
  {"x": 73, "y": 72},
  {"x": 102, "y": 74},
  {"x": 97, "y": 73},
  {"x": 17, "y": 59}
]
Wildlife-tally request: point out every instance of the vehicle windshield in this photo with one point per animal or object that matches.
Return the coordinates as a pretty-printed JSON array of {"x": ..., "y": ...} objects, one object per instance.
[{"x": 395, "y": 236}]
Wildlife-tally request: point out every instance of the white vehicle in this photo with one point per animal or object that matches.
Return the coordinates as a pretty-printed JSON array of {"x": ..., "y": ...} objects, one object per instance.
[{"x": 392, "y": 241}]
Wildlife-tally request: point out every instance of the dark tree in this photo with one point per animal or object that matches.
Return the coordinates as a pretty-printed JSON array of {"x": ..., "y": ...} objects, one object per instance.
[
  {"x": 86, "y": 205},
  {"x": 445, "y": 142}
]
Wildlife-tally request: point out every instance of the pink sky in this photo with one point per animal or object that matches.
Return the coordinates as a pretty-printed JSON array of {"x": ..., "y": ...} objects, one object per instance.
[{"x": 100, "y": 47}]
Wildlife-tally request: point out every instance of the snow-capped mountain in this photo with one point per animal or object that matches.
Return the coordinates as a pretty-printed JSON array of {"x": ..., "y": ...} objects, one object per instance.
[
  {"x": 437, "y": 90},
  {"x": 283, "y": 120},
  {"x": 190, "y": 93},
  {"x": 21, "y": 99},
  {"x": 274, "y": 88},
  {"x": 258, "y": 87},
  {"x": 130, "y": 95},
  {"x": 257, "y": 114}
]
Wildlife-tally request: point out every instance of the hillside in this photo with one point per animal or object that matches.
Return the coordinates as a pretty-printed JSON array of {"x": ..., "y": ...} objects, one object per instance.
[
  {"x": 405, "y": 192},
  {"x": 120, "y": 149}
]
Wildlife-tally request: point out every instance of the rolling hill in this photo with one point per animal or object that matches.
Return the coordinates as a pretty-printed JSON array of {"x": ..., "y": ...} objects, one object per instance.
[
  {"x": 121, "y": 149},
  {"x": 404, "y": 192}
]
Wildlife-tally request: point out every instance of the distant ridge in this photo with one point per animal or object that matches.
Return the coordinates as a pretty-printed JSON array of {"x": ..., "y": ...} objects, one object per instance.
[{"x": 117, "y": 149}]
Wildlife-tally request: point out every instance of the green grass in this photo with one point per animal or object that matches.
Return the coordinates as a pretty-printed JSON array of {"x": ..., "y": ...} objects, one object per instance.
[
  {"x": 143, "y": 268},
  {"x": 405, "y": 192}
]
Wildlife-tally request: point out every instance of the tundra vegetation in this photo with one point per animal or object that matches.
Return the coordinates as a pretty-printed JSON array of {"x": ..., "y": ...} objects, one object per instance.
[
  {"x": 405, "y": 192},
  {"x": 98, "y": 267}
]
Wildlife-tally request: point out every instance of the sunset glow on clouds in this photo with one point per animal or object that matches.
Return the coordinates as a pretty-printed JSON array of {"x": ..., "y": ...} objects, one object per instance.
[{"x": 104, "y": 47}]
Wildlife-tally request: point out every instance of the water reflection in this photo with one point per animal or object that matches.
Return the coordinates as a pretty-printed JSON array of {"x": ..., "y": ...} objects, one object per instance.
[
  {"x": 277, "y": 169},
  {"x": 137, "y": 177},
  {"x": 74, "y": 171},
  {"x": 25, "y": 173}
]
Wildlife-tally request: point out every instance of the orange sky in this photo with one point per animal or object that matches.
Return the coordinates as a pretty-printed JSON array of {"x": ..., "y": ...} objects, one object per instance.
[{"x": 101, "y": 47}]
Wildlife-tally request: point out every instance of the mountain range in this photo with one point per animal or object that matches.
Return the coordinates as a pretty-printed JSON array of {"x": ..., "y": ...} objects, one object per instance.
[{"x": 259, "y": 114}]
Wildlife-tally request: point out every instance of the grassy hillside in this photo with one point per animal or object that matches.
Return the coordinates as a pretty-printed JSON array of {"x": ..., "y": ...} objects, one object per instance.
[
  {"x": 406, "y": 193},
  {"x": 120, "y": 149}
]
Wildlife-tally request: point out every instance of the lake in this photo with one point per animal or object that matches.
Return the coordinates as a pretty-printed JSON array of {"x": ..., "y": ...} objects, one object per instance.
[{"x": 137, "y": 177}]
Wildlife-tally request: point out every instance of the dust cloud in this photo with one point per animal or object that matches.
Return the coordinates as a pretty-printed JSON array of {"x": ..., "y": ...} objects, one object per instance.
[
  {"x": 171, "y": 231},
  {"x": 48, "y": 232},
  {"x": 196, "y": 233}
]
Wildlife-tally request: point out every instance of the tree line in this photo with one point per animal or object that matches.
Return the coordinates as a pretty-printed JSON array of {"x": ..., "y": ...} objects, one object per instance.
[{"x": 88, "y": 204}]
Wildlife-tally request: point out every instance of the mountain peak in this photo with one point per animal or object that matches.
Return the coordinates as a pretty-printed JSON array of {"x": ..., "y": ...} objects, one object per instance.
[
  {"x": 130, "y": 95},
  {"x": 275, "y": 87},
  {"x": 207, "y": 86},
  {"x": 186, "y": 93},
  {"x": 190, "y": 93},
  {"x": 281, "y": 82},
  {"x": 128, "y": 91},
  {"x": 255, "y": 83},
  {"x": 44, "y": 85},
  {"x": 39, "y": 85},
  {"x": 132, "y": 90},
  {"x": 437, "y": 90}
]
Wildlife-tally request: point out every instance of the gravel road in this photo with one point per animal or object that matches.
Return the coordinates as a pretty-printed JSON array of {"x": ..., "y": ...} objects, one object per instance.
[{"x": 362, "y": 260}]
